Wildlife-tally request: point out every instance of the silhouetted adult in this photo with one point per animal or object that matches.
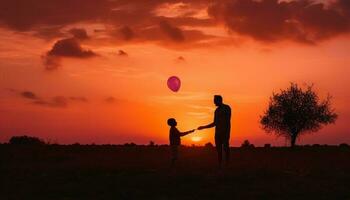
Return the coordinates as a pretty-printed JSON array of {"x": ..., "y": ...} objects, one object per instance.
[{"x": 222, "y": 123}]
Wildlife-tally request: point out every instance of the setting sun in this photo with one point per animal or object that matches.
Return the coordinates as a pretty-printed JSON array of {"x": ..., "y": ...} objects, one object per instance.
[{"x": 196, "y": 139}]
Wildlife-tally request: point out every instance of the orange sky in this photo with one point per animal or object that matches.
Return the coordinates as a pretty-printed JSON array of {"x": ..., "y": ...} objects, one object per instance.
[{"x": 64, "y": 79}]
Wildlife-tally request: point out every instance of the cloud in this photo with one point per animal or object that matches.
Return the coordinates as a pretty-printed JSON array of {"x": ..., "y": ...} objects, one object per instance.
[
  {"x": 180, "y": 59},
  {"x": 49, "y": 32},
  {"x": 171, "y": 31},
  {"x": 272, "y": 20},
  {"x": 122, "y": 53},
  {"x": 51, "y": 62},
  {"x": 56, "y": 101},
  {"x": 183, "y": 22},
  {"x": 79, "y": 33},
  {"x": 171, "y": 36},
  {"x": 110, "y": 99},
  {"x": 69, "y": 47},
  {"x": 27, "y": 15},
  {"x": 28, "y": 95},
  {"x": 343, "y": 6},
  {"x": 60, "y": 101},
  {"x": 31, "y": 15},
  {"x": 79, "y": 99},
  {"x": 126, "y": 32},
  {"x": 123, "y": 20}
]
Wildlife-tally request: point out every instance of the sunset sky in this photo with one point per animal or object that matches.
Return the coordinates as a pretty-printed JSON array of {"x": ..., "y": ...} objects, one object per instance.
[{"x": 95, "y": 71}]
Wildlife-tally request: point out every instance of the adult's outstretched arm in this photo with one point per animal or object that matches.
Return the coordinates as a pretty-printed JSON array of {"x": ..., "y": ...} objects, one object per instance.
[{"x": 211, "y": 125}]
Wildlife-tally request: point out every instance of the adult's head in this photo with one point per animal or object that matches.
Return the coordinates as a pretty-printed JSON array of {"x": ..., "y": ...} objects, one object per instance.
[
  {"x": 218, "y": 100},
  {"x": 172, "y": 122}
]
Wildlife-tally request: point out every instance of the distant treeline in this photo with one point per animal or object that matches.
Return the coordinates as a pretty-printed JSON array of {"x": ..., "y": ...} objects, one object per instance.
[{"x": 35, "y": 141}]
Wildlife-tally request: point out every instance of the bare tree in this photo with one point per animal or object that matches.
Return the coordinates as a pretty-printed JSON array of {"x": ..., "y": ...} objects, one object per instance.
[{"x": 294, "y": 112}]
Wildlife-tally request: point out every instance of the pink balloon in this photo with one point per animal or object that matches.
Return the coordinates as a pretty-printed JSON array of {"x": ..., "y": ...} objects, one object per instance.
[{"x": 174, "y": 83}]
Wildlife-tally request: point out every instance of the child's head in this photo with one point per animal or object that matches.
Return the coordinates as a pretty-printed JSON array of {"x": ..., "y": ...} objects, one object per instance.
[{"x": 172, "y": 122}]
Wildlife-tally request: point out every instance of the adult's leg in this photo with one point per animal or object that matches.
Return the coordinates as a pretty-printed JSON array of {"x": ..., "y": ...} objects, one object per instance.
[
  {"x": 218, "y": 145},
  {"x": 226, "y": 147}
]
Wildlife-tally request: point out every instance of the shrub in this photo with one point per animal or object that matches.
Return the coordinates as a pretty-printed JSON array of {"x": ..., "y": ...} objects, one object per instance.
[
  {"x": 343, "y": 145},
  {"x": 246, "y": 144},
  {"x": 26, "y": 140},
  {"x": 151, "y": 144},
  {"x": 209, "y": 145},
  {"x": 316, "y": 145},
  {"x": 129, "y": 144}
]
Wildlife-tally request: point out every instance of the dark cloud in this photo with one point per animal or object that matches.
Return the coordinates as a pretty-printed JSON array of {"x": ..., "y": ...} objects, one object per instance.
[
  {"x": 110, "y": 99},
  {"x": 79, "y": 99},
  {"x": 47, "y": 19},
  {"x": 148, "y": 27},
  {"x": 28, "y": 95},
  {"x": 122, "y": 53},
  {"x": 99, "y": 30},
  {"x": 134, "y": 21},
  {"x": 58, "y": 101},
  {"x": 272, "y": 20},
  {"x": 187, "y": 21},
  {"x": 11, "y": 90},
  {"x": 187, "y": 38},
  {"x": 343, "y": 6},
  {"x": 51, "y": 62},
  {"x": 49, "y": 32},
  {"x": 79, "y": 33},
  {"x": 173, "y": 32},
  {"x": 126, "y": 32},
  {"x": 69, "y": 47},
  {"x": 180, "y": 58},
  {"x": 24, "y": 15}
]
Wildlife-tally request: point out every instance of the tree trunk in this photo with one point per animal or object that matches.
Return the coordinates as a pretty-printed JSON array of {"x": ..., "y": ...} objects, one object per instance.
[{"x": 292, "y": 141}]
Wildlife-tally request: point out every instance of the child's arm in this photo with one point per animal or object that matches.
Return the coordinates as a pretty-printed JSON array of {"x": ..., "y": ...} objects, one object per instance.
[{"x": 187, "y": 132}]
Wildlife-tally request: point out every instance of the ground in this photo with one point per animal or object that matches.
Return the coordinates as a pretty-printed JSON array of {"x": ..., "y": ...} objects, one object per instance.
[{"x": 142, "y": 172}]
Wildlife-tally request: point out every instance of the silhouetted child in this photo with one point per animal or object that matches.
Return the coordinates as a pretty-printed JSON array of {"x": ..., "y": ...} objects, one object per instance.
[{"x": 175, "y": 140}]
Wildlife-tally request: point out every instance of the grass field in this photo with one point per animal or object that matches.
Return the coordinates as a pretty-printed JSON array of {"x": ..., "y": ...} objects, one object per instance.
[{"x": 141, "y": 172}]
